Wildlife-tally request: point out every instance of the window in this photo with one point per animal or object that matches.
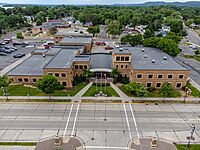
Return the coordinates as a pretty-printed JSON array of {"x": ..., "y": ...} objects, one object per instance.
[
  {"x": 126, "y": 66},
  {"x": 76, "y": 66},
  {"x": 34, "y": 80},
  {"x": 125, "y": 75},
  {"x": 160, "y": 76},
  {"x": 181, "y": 76},
  {"x": 64, "y": 83},
  {"x": 25, "y": 79},
  {"x": 118, "y": 58},
  {"x": 150, "y": 76},
  {"x": 117, "y": 66},
  {"x": 81, "y": 67},
  {"x": 178, "y": 85},
  {"x": 85, "y": 66},
  {"x": 139, "y": 76},
  {"x": 148, "y": 84},
  {"x": 63, "y": 75},
  {"x": 170, "y": 76},
  {"x": 126, "y": 58},
  {"x": 122, "y": 66},
  {"x": 122, "y": 58},
  {"x": 50, "y": 73},
  {"x": 158, "y": 85},
  {"x": 57, "y": 74},
  {"x": 19, "y": 79}
]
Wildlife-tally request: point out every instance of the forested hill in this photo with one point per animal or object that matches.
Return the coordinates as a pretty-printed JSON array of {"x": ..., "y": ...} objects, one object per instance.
[{"x": 188, "y": 4}]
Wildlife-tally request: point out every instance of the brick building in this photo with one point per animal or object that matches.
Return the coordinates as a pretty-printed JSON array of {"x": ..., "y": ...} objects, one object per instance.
[{"x": 148, "y": 66}]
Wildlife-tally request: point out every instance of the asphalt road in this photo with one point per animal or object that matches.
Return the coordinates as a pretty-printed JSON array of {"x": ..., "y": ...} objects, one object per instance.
[
  {"x": 99, "y": 125},
  {"x": 193, "y": 37}
]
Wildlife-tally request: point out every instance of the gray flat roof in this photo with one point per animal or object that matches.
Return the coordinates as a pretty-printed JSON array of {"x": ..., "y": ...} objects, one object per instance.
[
  {"x": 121, "y": 51},
  {"x": 32, "y": 66},
  {"x": 101, "y": 61},
  {"x": 140, "y": 62},
  {"x": 63, "y": 59},
  {"x": 82, "y": 58},
  {"x": 76, "y": 40}
]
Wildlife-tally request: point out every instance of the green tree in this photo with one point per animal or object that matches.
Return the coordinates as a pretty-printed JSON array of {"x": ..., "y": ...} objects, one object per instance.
[
  {"x": 53, "y": 31},
  {"x": 19, "y": 35},
  {"x": 87, "y": 74},
  {"x": 189, "y": 22},
  {"x": 137, "y": 89},
  {"x": 4, "y": 82},
  {"x": 135, "y": 22},
  {"x": 114, "y": 28},
  {"x": 93, "y": 30},
  {"x": 148, "y": 33},
  {"x": 48, "y": 84},
  {"x": 166, "y": 90},
  {"x": 133, "y": 40},
  {"x": 115, "y": 74}
]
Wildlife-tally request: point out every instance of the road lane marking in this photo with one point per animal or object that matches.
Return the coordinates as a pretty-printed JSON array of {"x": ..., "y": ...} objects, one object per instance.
[
  {"x": 68, "y": 119},
  {"x": 104, "y": 147},
  {"x": 127, "y": 121},
  {"x": 77, "y": 110},
  {"x": 134, "y": 120}
]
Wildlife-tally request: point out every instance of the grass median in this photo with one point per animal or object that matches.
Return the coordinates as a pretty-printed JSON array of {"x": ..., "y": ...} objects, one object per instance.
[
  {"x": 191, "y": 147},
  {"x": 21, "y": 90}
]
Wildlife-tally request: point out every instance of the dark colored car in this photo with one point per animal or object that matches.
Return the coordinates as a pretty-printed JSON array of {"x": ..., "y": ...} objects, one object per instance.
[
  {"x": 108, "y": 48},
  {"x": 2, "y": 54},
  {"x": 100, "y": 43},
  {"x": 19, "y": 55}
]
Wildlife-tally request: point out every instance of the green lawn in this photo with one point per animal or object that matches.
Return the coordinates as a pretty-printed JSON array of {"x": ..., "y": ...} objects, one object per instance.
[
  {"x": 195, "y": 92},
  {"x": 96, "y": 89},
  {"x": 155, "y": 93},
  {"x": 20, "y": 90},
  {"x": 192, "y": 57},
  {"x": 191, "y": 147}
]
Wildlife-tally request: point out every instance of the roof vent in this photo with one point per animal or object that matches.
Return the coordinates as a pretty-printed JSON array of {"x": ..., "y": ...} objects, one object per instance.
[
  {"x": 120, "y": 49},
  {"x": 153, "y": 61},
  {"x": 143, "y": 50},
  {"x": 165, "y": 58},
  {"x": 43, "y": 55},
  {"x": 145, "y": 56}
]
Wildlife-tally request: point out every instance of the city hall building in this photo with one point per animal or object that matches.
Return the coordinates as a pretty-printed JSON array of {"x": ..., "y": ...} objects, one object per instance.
[{"x": 148, "y": 66}]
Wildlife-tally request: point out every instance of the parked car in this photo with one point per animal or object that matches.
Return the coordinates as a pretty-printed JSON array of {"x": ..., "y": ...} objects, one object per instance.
[
  {"x": 19, "y": 55},
  {"x": 2, "y": 54},
  {"x": 100, "y": 43},
  {"x": 20, "y": 43},
  {"x": 8, "y": 41},
  {"x": 2, "y": 43},
  {"x": 108, "y": 48},
  {"x": 8, "y": 51}
]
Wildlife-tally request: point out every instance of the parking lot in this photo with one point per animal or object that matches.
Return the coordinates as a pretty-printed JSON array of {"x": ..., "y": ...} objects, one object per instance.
[
  {"x": 101, "y": 126},
  {"x": 9, "y": 59}
]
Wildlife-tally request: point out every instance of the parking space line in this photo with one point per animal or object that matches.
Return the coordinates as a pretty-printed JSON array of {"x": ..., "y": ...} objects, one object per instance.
[
  {"x": 68, "y": 119},
  {"x": 134, "y": 120},
  {"x": 75, "y": 119},
  {"x": 127, "y": 121}
]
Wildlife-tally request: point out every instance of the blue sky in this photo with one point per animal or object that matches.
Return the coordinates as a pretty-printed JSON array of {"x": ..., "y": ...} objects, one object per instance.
[{"x": 81, "y": 1}]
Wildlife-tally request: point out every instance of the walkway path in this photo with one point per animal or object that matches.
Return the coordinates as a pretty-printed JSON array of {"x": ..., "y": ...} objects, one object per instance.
[
  {"x": 123, "y": 96},
  {"x": 81, "y": 92}
]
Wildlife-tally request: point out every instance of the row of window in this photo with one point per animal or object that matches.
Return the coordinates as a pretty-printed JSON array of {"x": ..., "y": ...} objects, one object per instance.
[
  {"x": 121, "y": 66},
  {"x": 160, "y": 76},
  {"x": 80, "y": 66},
  {"x": 63, "y": 75},
  {"x": 26, "y": 80},
  {"x": 122, "y": 58},
  {"x": 158, "y": 85}
]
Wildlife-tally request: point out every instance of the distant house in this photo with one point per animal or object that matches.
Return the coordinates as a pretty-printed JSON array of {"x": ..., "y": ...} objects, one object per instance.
[
  {"x": 44, "y": 28},
  {"x": 166, "y": 29}
]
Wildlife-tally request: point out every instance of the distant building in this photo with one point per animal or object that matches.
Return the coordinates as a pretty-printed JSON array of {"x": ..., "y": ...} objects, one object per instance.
[{"x": 44, "y": 28}]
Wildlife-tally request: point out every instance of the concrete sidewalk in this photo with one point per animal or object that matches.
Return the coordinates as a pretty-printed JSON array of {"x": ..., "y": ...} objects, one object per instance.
[{"x": 17, "y": 147}]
